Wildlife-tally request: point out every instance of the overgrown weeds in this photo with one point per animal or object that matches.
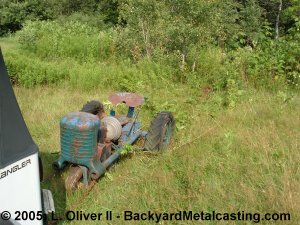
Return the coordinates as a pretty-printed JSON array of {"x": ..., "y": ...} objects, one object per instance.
[{"x": 238, "y": 159}]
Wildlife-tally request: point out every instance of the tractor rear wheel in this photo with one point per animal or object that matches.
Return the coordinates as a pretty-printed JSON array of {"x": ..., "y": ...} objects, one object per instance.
[
  {"x": 160, "y": 132},
  {"x": 73, "y": 179}
]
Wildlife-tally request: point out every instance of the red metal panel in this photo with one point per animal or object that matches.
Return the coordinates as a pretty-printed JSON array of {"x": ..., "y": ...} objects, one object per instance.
[{"x": 130, "y": 99}]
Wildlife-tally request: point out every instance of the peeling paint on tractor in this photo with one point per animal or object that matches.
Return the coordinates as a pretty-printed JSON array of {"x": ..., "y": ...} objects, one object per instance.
[
  {"x": 79, "y": 131},
  {"x": 130, "y": 132},
  {"x": 92, "y": 148}
]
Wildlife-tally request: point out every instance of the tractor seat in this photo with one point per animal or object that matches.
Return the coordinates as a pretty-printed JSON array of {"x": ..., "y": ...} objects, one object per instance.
[
  {"x": 122, "y": 119},
  {"x": 130, "y": 99}
]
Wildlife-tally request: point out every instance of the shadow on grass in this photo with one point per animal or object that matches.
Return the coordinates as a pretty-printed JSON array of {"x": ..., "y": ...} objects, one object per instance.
[{"x": 55, "y": 182}]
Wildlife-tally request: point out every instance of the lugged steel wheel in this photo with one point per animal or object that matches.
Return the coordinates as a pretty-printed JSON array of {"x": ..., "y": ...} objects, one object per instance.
[
  {"x": 160, "y": 132},
  {"x": 73, "y": 179}
]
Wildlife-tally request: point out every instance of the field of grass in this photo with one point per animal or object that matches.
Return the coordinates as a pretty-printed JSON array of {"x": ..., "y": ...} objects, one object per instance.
[{"x": 241, "y": 157}]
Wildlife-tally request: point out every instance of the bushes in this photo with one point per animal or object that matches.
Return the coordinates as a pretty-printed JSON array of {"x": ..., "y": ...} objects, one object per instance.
[
  {"x": 95, "y": 13},
  {"x": 28, "y": 70},
  {"x": 207, "y": 68},
  {"x": 71, "y": 39},
  {"x": 89, "y": 58},
  {"x": 270, "y": 66},
  {"x": 193, "y": 42},
  {"x": 123, "y": 76},
  {"x": 14, "y": 13}
]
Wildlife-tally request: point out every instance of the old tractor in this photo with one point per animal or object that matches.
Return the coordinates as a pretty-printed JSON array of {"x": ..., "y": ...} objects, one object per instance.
[{"x": 91, "y": 141}]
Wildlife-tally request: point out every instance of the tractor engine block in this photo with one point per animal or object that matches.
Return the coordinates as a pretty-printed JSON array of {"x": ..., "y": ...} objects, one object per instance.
[{"x": 78, "y": 134}]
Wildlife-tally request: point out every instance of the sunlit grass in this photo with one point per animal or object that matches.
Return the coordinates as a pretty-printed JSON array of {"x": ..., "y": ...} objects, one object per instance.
[
  {"x": 244, "y": 158},
  {"x": 240, "y": 159}
]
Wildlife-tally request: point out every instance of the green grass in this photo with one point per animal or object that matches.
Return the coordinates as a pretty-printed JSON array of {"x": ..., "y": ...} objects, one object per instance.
[
  {"x": 240, "y": 159},
  {"x": 8, "y": 43}
]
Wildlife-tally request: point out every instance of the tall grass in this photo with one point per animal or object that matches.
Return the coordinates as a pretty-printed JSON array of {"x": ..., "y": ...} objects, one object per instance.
[
  {"x": 29, "y": 70},
  {"x": 71, "y": 39},
  {"x": 241, "y": 159}
]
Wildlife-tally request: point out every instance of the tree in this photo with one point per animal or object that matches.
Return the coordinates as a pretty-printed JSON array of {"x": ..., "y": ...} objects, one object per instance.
[
  {"x": 278, "y": 20},
  {"x": 272, "y": 11},
  {"x": 14, "y": 13}
]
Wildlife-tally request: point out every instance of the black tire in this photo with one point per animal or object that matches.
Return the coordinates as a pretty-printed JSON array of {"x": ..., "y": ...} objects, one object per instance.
[
  {"x": 160, "y": 132},
  {"x": 73, "y": 179},
  {"x": 93, "y": 107}
]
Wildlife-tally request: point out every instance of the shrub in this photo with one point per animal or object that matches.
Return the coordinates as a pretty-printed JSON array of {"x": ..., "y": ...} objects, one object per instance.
[
  {"x": 71, "y": 39},
  {"x": 28, "y": 70}
]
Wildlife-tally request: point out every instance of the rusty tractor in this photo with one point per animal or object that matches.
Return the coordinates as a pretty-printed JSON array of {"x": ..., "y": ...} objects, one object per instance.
[{"x": 91, "y": 141}]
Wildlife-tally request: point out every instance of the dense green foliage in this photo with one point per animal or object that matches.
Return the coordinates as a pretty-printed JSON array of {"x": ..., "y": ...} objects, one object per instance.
[
  {"x": 129, "y": 44},
  {"x": 15, "y": 13}
]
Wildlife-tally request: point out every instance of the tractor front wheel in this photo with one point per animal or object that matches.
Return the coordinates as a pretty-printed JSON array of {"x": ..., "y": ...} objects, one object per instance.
[{"x": 160, "y": 132}]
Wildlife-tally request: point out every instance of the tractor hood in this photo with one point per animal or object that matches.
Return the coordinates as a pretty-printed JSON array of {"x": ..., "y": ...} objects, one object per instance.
[{"x": 15, "y": 140}]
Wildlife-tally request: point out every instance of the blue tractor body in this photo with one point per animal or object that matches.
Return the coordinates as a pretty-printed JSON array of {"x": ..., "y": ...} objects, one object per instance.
[{"x": 90, "y": 144}]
